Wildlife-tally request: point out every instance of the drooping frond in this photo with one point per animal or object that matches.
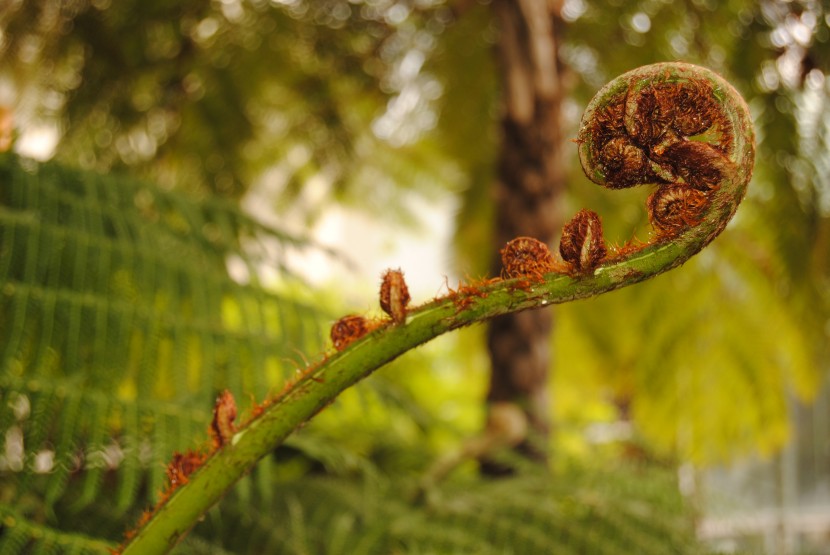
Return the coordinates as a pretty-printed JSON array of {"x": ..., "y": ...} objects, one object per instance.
[
  {"x": 119, "y": 323},
  {"x": 599, "y": 513}
]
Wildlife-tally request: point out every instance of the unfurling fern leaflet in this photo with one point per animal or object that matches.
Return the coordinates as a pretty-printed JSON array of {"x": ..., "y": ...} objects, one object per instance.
[{"x": 676, "y": 125}]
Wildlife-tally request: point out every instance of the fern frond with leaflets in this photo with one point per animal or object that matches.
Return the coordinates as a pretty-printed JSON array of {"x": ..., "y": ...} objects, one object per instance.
[
  {"x": 625, "y": 511},
  {"x": 120, "y": 321}
]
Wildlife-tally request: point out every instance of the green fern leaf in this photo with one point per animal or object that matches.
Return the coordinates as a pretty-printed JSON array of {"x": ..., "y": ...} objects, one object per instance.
[{"x": 120, "y": 322}]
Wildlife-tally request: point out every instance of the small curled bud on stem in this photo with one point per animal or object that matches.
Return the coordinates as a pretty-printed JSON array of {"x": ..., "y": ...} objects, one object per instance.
[
  {"x": 394, "y": 295},
  {"x": 224, "y": 413},
  {"x": 526, "y": 257},
  {"x": 582, "y": 245},
  {"x": 348, "y": 329},
  {"x": 673, "y": 208}
]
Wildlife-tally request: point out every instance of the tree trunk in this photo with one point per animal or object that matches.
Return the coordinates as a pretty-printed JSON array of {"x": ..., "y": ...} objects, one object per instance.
[{"x": 530, "y": 181}]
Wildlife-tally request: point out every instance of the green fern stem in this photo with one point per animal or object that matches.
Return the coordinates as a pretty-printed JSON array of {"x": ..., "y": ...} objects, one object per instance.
[{"x": 624, "y": 104}]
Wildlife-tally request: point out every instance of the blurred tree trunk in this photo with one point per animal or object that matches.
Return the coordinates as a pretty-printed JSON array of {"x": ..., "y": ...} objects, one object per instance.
[{"x": 530, "y": 182}]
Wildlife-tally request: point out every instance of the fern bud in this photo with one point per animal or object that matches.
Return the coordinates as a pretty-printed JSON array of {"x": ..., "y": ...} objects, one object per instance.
[
  {"x": 526, "y": 257},
  {"x": 347, "y": 330},
  {"x": 673, "y": 208},
  {"x": 394, "y": 295},
  {"x": 222, "y": 428},
  {"x": 582, "y": 245}
]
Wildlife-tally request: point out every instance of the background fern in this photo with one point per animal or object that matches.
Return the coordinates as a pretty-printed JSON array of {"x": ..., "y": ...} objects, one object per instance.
[
  {"x": 120, "y": 322},
  {"x": 625, "y": 511}
]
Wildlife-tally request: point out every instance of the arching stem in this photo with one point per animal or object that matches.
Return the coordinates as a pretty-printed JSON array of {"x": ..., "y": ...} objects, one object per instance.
[{"x": 320, "y": 385}]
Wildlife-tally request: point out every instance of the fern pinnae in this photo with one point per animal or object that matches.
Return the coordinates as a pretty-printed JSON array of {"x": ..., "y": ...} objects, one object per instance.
[
  {"x": 99, "y": 357},
  {"x": 619, "y": 527},
  {"x": 299, "y": 536},
  {"x": 15, "y": 537},
  {"x": 9, "y": 222},
  {"x": 146, "y": 363},
  {"x": 65, "y": 449},
  {"x": 263, "y": 477},
  {"x": 530, "y": 524},
  {"x": 45, "y": 407},
  {"x": 448, "y": 539},
  {"x": 77, "y": 283},
  {"x": 237, "y": 368},
  {"x": 14, "y": 401},
  {"x": 29, "y": 275},
  {"x": 129, "y": 471},
  {"x": 18, "y": 299},
  {"x": 98, "y": 430},
  {"x": 19, "y": 536},
  {"x": 161, "y": 450},
  {"x": 44, "y": 545},
  {"x": 516, "y": 534},
  {"x": 178, "y": 359},
  {"x": 261, "y": 347}
]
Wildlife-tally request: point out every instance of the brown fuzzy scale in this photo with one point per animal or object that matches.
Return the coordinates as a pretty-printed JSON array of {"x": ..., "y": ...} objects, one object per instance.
[
  {"x": 582, "y": 245},
  {"x": 526, "y": 257},
  {"x": 674, "y": 208},
  {"x": 182, "y": 466},
  {"x": 467, "y": 293},
  {"x": 629, "y": 247},
  {"x": 222, "y": 428},
  {"x": 178, "y": 471},
  {"x": 394, "y": 295},
  {"x": 348, "y": 329}
]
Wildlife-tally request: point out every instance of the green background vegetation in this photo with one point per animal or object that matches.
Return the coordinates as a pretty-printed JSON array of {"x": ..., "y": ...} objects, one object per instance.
[{"x": 120, "y": 322}]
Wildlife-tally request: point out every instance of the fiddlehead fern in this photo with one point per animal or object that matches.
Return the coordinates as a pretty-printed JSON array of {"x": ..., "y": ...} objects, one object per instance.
[
  {"x": 679, "y": 126},
  {"x": 675, "y": 125}
]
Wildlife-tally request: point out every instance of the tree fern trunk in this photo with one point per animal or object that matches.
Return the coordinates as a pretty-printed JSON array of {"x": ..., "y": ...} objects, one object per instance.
[{"x": 530, "y": 181}]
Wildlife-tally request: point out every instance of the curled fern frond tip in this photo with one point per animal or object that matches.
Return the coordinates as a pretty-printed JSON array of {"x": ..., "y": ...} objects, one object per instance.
[{"x": 680, "y": 127}]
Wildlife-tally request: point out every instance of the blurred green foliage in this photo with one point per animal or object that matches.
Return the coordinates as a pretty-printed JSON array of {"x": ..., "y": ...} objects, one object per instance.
[{"x": 120, "y": 319}]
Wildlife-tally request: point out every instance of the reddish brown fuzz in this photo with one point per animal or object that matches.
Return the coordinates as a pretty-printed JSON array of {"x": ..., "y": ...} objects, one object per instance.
[
  {"x": 394, "y": 295},
  {"x": 182, "y": 466},
  {"x": 466, "y": 294}
]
